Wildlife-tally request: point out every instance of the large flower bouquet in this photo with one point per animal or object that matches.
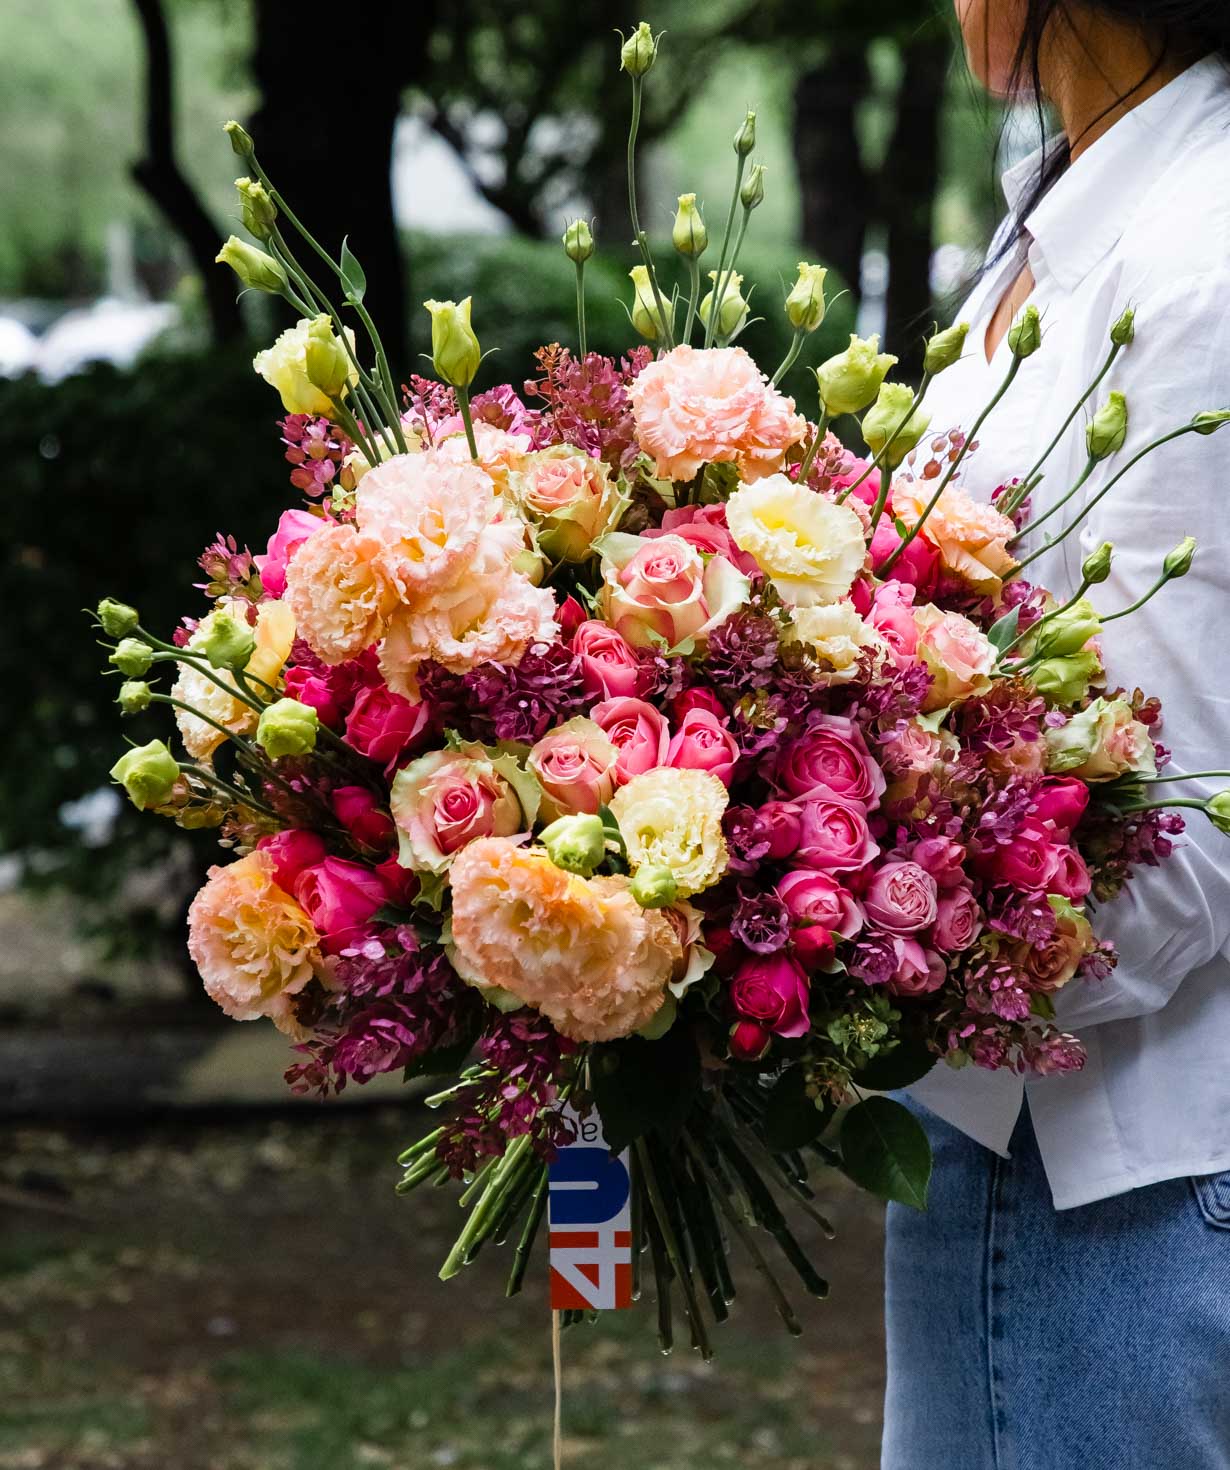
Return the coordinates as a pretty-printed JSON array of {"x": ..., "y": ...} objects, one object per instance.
[{"x": 625, "y": 742}]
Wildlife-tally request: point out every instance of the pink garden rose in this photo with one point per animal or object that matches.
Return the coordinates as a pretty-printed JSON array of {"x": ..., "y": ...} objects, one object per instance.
[
  {"x": 569, "y": 615},
  {"x": 781, "y": 822},
  {"x": 892, "y": 616},
  {"x": 833, "y": 757},
  {"x": 697, "y": 699},
  {"x": 901, "y": 898},
  {"x": 943, "y": 858},
  {"x": 704, "y": 526},
  {"x": 400, "y": 884},
  {"x": 289, "y": 853},
  {"x": 1071, "y": 878},
  {"x": 317, "y": 691},
  {"x": 958, "y": 921},
  {"x": 638, "y": 732},
  {"x": 918, "y": 564},
  {"x": 363, "y": 816},
  {"x": 820, "y": 909},
  {"x": 610, "y": 667},
  {"x": 340, "y": 898},
  {"x": 773, "y": 991},
  {"x": 448, "y": 798},
  {"x": 919, "y": 970},
  {"x": 575, "y": 765},
  {"x": 957, "y": 653},
  {"x": 1029, "y": 861},
  {"x": 703, "y": 743},
  {"x": 1060, "y": 802},
  {"x": 835, "y": 835},
  {"x": 662, "y": 589},
  {"x": 383, "y": 726},
  {"x": 294, "y": 527}
]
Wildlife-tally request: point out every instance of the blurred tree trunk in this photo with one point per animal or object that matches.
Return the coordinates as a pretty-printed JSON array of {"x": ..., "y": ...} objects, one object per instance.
[
  {"x": 158, "y": 174},
  {"x": 833, "y": 184},
  {"x": 329, "y": 148}
]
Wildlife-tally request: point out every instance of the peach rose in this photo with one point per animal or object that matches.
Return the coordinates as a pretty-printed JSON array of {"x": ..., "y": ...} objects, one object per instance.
[
  {"x": 575, "y": 765},
  {"x": 958, "y": 655},
  {"x": 569, "y": 498},
  {"x": 971, "y": 537},
  {"x": 339, "y": 592},
  {"x": 663, "y": 590}
]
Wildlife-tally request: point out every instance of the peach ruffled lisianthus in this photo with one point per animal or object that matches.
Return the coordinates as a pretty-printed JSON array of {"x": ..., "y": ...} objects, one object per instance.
[
  {"x": 253, "y": 944},
  {"x": 581, "y": 951},
  {"x": 501, "y": 452},
  {"x": 971, "y": 537},
  {"x": 339, "y": 591},
  {"x": 697, "y": 406}
]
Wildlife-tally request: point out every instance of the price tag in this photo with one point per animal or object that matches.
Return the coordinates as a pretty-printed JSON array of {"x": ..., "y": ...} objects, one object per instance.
[{"x": 590, "y": 1223}]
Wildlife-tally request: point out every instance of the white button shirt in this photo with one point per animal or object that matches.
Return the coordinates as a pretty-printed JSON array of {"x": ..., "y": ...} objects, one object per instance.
[{"x": 1142, "y": 219}]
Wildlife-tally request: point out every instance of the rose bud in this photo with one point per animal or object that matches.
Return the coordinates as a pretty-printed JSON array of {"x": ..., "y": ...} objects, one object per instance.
[
  {"x": 368, "y": 823},
  {"x": 748, "y": 1042},
  {"x": 291, "y": 852}
]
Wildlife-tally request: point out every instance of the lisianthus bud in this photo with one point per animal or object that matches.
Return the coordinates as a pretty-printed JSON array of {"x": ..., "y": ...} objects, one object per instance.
[
  {"x": 287, "y": 727},
  {"x": 254, "y": 268},
  {"x": 325, "y": 360},
  {"x": 258, "y": 209},
  {"x": 1096, "y": 566},
  {"x": 575, "y": 843},
  {"x": 1026, "y": 335},
  {"x": 1068, "y": 631},
  {"x": 1179, "y": 562},
  {"x": 639, "y": 52},
  {"x": 688, "y": 234},
  {"x": 745, "y": 138},
  {"x": 945, "y": 348},
  {"x": 850, "y": 381},
  {"x": 752, "y": 192},
  {"x": 226, "y": 641},
  {"x": 1064, "y": 681},
  {"x": 147, "y": 773},
  {"x": 1209, "y": 423},
  {"x": 578, "y": 241},
  {"x": 134, "y": 696},
  {"x": 886, "y": 428},
  {"x": 116, "y": 618},
  {"x": 1217, "y": 809},
  {"x": 1123, "y": 333},
  {"x": 733, "y": 311},
  {"x": 454, "y": 347},
  {"x": 645, "y": 316},
  {"x": 654, "y": 887},
  {"x": 805, "y": 304},
  {"x": 1108, "y": 428},
  {"x": 241, "y": 141},
  {"x": 133, "y": 657}
]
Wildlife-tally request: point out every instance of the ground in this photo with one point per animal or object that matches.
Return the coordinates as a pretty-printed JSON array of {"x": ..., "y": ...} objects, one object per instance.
[{"x": 239, "y": 1292}]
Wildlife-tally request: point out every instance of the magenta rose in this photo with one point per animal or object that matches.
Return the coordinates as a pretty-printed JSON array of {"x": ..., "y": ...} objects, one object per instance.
[
  {"x": 575, "y": 765},
  {"x": 569, "y": 615},
  {"x": 958, "y": 921},
  {"x": 340, "y": 898},
  {"x": 748, "y": 1041},
  {"x": 610, "y": 667},
  {"x": 291, "y": 852},
  {"x": 367, "y": 821},
  {"x": 1060, "y": 802},
  {"x": 919, "y": 970},
  {"x": 832, "y": 757},
  {"x": 918, "y": 564},
  {"x": 942, "y": 858},
  {"x": 400, "y": 885},
  {"x": 892, "y": 616},
  {"x": 901, "y": 898},
  {"x": 704, "y": 526},
  {"x": 781, "y": 823},
  {"x": 697, "y": 699},
  {"x": 316, "y": 690},
  {"x": 703, "y": 743},
  {"x": 637, "y": 731},
  {"x": 1071, "y": 878},
  {"x": 835, "y": 835},
  {"x": 1028, "y": 861},
  {"x": 294, "y": 527},
  {"x": 773, "y": 991},
  {"x": 819, "y": 899},
  {"x": 383, "y": 725},
  {"x": 868, "y": 492}
]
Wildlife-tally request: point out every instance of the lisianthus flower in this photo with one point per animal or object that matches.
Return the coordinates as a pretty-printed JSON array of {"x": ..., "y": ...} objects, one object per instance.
[
  {"x": 836, "y": 638},
  {"x": 809, "y": 547},
  {"x": 673, "y": 819},
  {"x": 970, "y": 536},
  {"x": 340, "y": 592},
  {"x": 274, "y": 633},
  {"x": 284, "y": 367}
]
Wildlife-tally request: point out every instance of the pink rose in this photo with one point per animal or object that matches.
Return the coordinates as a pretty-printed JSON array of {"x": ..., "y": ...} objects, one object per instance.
[
  {"x": 919, "y": 970},
  {"x": 1060, "y": 802},
  {"x": 772, "y": 991},
  {"x": 781, "y": 823},
  {"x": 448, "y": 798},
  {"x": 1028, "y": 861},
  {"x": 291, "y": 852},
  {"x": 1071, "y": 878},
  {"x": 892, "y": 616},
  {"x": 703, "y": 743},
  {"x": 958, "y": 921},
  {"x": 315, "y": 690},
  {"x": 610, "y": 667},
  {"x": 943, "y": 858},
  {"x": 704, "y": 526},
  {"x": 862, "y": 595},
  {"x": 901, "y": 898},
  {"x": 958, "y": 656},
  {"x": 575, "y": 765},
  {"x": 340, "y": 898},
  {"x": 868, "y": 492},
  {"x": 832, "y": 757},
  {"x": 569, "y": 615},
  {"x": 748, "y": 1041},
  {"x": 835, "y": 835},
  {"x": 918, "y": 564},
  {"x": 294, "y": 527},
  {"x": 697, "y": 699},
  {"x": 368, "y": 823},
  {"x": 637, "y": 731},
  {"x": 661, "y": 588},
  {"x": 818, "y": 899},
  {"x": 383, "y": 725}
]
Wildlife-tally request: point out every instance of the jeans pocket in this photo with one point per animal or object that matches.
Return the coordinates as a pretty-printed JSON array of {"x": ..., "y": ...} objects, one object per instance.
[{"x": 1212, "y": 1193}]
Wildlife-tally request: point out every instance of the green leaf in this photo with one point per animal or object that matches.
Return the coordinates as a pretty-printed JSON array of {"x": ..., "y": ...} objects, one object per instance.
[
  {"x": 791, "y": 1119},
  {"x": 1002, "y": 632},
  {"x": 353, "y": 277},
  {"x": 446, "y": 1061},
  {"x": 909, "y": 1061},
  {"x": 432, "y": 888},
  {"x": 885, "y": 1150},
  {"x": 643, "y": 1087}
]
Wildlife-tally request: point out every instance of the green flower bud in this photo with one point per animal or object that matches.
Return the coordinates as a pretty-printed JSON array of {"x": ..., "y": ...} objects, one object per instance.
[
  {"x": 255, "y": 269},
  {"x": 325, "y": 360},
  {"x": 1108, "y": 428},
  {"x": 745, "y": 138},
  {"x": 688, "y": 234},
  {"x": 258, "y": 210},
  {"x": 851, "y": 380},
  {"x": 884, "y": 430},
  {"x": 133, "y": 657},
  {"x": 1065, "y": 681},
  {"x": 287, "y": 727},
  {"x": 1026, "y": 335},
  {"x": 733, "y": 311},
  {"x": 575, "y": 843},
  {"x": 945, "y": 348},
  {"x": 1067, "y": 632},
  {"x": 578, "y": 241},
  {"x": 805, "y": 305},
  {"x": 117, "y": 618},
  {"x": 454, "y": 347},
  {"x": 1209, "y": 423},
  {"x": 1217, "y": 809},
  {"x": 226, "y": 641},
  {"x": 645, "y": 316},
  {"x": 654, "y": 887},
  {"x": 752, "y": 192},
  {"x": 148, "y": 774},
  {"x": 134, "y": 696},
  {"x": 1179, "y": 562},
  {"x": 639, "y": 52},
  {"x": 241, "y": 142},
  {"x": 1123, "y": 333},
  {"x": 1096, "y": 566}
]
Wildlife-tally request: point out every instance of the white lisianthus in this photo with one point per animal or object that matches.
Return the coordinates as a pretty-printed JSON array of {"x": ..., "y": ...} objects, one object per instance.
[
  {"x": 284, "y": 367},
  {"x": 810, "y": 548},
  {"x": 673, "y": 819},
  {"x": 835, "y": 636}
]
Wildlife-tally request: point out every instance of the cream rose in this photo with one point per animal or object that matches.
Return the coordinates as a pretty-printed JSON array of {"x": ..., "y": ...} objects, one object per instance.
[
  {"x": 570, "y": 499},
  {"x": 958, "y": 655},
  {"x": 449, "y": 798},
  {"x": 660, "y": 589},
  {"x": 810, "y": 548}
]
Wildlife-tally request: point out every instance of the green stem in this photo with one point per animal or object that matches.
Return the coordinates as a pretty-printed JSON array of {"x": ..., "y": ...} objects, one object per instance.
[
  {"x": 463, "y": 405},
  {"x": 790, "y": 358},
  {"x": 822, "y": 428},
  {"x": 693, "y": 297},
  {"x": 1139, "y": 603},
  {"x": 1090, "y": 465},
  {"x": 642, "y": 240},
  {"x": 1186, "y": 776},
  {"x": 722, "y": 284},
  {"x": 674, "y": 1249},
  {"x": 1028, "y": 483},
  {"x": 382, "y": 363},
  {"x": 581, "y": 336},
  {"x": 1042, "y": 621},
  {"x": 1159, "y": 806},
  {"x": 726, "y": 237}
]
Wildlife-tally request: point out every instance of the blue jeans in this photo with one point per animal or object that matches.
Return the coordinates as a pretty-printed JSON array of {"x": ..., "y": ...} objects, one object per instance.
[{"x": 1022, "y": 1338}]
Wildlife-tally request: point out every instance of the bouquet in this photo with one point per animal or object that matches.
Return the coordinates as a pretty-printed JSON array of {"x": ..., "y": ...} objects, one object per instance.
[{"x": 624, "y": 746}]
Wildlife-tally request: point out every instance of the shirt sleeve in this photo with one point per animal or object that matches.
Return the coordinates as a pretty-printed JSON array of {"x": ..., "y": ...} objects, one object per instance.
[{"x": 1173, "y": 919}]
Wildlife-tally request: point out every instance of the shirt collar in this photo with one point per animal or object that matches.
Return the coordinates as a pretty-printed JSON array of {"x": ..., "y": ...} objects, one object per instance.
[{"x": 1085, "y": 212}]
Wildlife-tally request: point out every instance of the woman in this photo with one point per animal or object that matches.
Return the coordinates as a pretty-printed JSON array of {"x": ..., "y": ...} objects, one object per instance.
[{"x": 1065, "y": 1301}]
